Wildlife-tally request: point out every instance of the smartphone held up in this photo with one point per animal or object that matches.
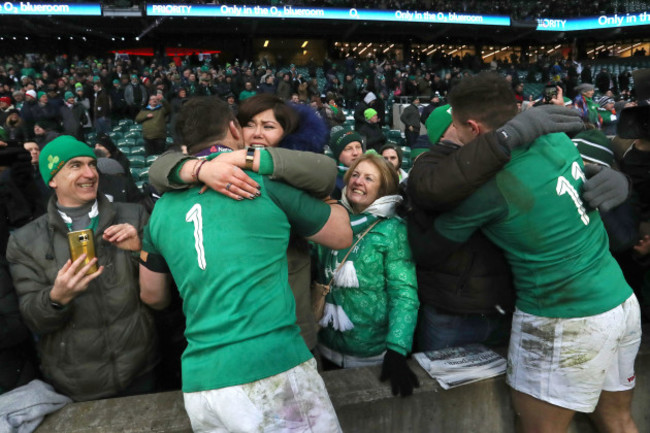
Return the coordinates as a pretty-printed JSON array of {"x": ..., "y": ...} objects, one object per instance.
[{"x": 83, "y": 242}]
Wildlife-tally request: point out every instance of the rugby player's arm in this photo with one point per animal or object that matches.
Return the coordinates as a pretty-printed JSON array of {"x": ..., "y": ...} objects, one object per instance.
[
  {"x": 336, "y": 233},
  {"x": 155, "y": 282}
]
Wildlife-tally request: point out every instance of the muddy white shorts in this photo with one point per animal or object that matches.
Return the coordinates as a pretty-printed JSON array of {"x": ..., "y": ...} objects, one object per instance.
[
  {"x": 294, "y": 401},
  {"x": 568, "y": 362}
]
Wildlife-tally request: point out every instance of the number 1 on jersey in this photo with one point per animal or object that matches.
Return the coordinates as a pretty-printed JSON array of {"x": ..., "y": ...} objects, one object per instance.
[
  {"x": 194, "y": 216},
  {"x": 564, "y": 187}
]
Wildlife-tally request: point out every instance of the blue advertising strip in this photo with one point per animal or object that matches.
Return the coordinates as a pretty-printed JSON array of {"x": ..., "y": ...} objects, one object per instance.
[
  {"x": 29, "y": 8},
  {"x": 294, "y": 12},
  {"x": 592, "y": 23}
]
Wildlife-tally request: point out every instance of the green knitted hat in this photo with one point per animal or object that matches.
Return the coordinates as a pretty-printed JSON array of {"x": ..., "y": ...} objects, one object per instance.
[
  {"x": 369, "y": 113},
  {"x": 39, "y": 94},
  {"x": 594, "y": 147},
  {"x": 59, "y": 151},
  {"x": 340, "y": 137},
  {"x": 438, "y": 122}
]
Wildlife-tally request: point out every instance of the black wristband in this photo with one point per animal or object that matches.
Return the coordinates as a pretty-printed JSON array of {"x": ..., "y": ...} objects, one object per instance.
[{"x": 55, "y": 305}]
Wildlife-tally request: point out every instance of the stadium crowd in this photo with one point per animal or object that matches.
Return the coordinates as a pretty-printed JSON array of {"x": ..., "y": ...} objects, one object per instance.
[{"x": 375, "y": 205}]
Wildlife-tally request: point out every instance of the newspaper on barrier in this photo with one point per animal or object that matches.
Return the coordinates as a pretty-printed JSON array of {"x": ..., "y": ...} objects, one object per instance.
[{"x": 458, "y": 366}]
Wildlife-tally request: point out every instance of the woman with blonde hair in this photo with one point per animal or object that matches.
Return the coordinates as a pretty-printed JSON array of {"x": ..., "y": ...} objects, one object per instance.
[{"x": 371, "y": 310}]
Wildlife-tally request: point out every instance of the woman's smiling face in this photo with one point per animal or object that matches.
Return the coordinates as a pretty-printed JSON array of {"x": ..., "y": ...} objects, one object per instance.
[{"x": 363, "y": 186}]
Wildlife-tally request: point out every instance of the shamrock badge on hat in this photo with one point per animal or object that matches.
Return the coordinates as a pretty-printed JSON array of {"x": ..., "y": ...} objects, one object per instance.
[{"x": 51, "y": 161}]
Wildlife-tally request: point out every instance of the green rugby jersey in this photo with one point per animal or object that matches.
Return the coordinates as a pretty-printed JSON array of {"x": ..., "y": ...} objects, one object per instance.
[
  {"x": 558, "y": 249},
  {"x": 229, "y": 260}
]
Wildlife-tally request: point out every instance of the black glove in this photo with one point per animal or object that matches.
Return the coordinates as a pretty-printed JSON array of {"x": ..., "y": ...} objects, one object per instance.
[
  {"x": 531, "y": 124},
  {"x": 402, "y": 378},
  {"x": 605, "y": 187}
]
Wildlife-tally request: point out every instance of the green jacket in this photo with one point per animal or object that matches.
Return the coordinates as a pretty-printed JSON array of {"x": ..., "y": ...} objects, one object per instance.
[{"x": 384, "y": 307}]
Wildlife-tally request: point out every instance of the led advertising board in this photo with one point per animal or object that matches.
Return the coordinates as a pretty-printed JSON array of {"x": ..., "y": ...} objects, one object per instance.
[
  {"x": 296, "y": 12},
  {"x": 593, "y": 23},
  {"x": 29, "y": 8}
]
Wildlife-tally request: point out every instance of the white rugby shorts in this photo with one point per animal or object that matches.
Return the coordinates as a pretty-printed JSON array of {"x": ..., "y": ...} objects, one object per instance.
[{"x": 568, "y": 362}]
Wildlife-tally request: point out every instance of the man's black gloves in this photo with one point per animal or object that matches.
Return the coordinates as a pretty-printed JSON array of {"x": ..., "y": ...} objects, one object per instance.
[
  {"x": 605, "y": 187},
  {"x": 402, "y": 378},
  {"x": 531, "y": 124}
]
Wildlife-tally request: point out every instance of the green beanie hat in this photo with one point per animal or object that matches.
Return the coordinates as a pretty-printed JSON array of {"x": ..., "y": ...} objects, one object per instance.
[
  {"x": 78, "y": 85},
  {"x": 438, "y": 122},
  {"x": 369, "y": 113},
  {"x": 59, "y": 151},
  {"x": 594, "y": 147},
  {"x": 68, "y": 95},
  {"x": 340, "y": 137},
  {"x": 39, "y": 94}
]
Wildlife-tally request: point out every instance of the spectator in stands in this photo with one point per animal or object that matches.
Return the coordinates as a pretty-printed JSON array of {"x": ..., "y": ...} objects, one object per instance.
[
  {"x": 434, "y": 103},
  {"x": 118, "y": 102},
  {"x": 5, "y": 106},
  {"x": 371, "y": 311},
  {"x": 410, "y": 118},
  {"x": 63, "y": 304},
  {"x": 45, "y": 131},
  {"x": 313, "y": 89},
  {"x": 101, "y": 109},
  {"x": 221, "y": 87},
  {"x": 346, "y": 146},
  {"x": 330, "y": 112},
  {"x": 135, "y": 96},
  {"x": 73, "y": 116},
  {"x": 154, "y": 124},
  {"x": 15, "y": 129},
  {"x": 44, "y": 192},
  {"x": 268, "y": 86},
  {"x": 586, "y": 106},
  {"x": 604, "y": 81},
  {"x": 608, "y": 114},
  {"x": 371, "y": 130},
  {"x": 424, "y": 85},
  {"x": 392, "y": 153},
  {"x": 600, "y": 295},
  {"x": 285, "y": 88},
  {"x": 46, "y": 109},
  {"x": 108, "y": 149},
  {"x": 19, "y": 99},
  {"x": 369, "y": 100},
  {"x": 114, "y": 183},
  {"x": 247, "y": 92},
  {"x": 624, "y": 80},
  {"x": 28, "y": 112},
  {"x": 349, "y": 92},
  {"x": 585, "y": 75},
  {"x": 264, "y": 347}
]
